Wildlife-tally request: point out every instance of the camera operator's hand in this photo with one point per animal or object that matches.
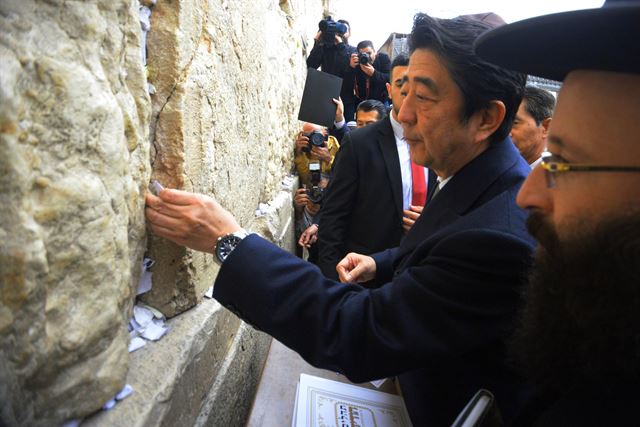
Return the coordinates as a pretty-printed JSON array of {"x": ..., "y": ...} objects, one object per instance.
[
  {"x": 339, "y": 109},
  {"x": 353, "y": 61},
  {"x": 367, "y": 69},
  {"x": 318, "y": 36},
  {"x": 301, "y": 142},
  {"x": 320, "y": 153},
  {"x": 356, "y": 268},
  {"x": 410, "y": 217},
  {"x": 339, "y": 39},
  {"x": 309, "y": 236},
  {"x": 188, "y": 219},
  {"x": 312, "y": 208},
  {"x": 301, "y": 199}
]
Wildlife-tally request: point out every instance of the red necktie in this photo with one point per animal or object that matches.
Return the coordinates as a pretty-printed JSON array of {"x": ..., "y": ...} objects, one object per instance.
[{"x": 418, "y": 186}]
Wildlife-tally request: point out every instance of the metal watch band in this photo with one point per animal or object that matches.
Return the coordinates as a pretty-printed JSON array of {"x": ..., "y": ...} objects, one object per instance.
[{"x": 227, "y": 243}]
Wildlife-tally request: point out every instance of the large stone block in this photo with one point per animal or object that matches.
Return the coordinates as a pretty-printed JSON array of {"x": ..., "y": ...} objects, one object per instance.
[
  {"x": 79, "y": 139},
  {"x": 73, "y": 162},
  {"x": 229, "y": 77},
  {"x": 205, "y": 368}
]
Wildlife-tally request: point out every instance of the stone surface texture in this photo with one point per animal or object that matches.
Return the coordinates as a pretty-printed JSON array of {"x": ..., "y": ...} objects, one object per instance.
[
  {"x": 167, "y": 376},
  {"x": 80, "y": 138},
  {"x": 229, "y": 76},
  {"x": 74, "y": 161}
]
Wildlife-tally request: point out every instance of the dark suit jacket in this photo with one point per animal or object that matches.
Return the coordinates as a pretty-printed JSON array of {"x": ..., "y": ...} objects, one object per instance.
[
  {"x": 612, "y": 402},
  {"x": 442, "y": 318},
  {"x": 362, "y": 209}
]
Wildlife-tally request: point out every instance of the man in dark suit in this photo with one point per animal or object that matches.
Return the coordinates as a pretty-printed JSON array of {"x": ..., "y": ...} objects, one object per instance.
[
  {"x": 441, "y": 318},
  {"x": 363, "y": 208},
  {"x": 578, "y": 335}
]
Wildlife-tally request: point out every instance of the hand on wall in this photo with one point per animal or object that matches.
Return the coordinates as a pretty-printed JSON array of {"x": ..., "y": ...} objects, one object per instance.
[{"x": 188, "y": 219}]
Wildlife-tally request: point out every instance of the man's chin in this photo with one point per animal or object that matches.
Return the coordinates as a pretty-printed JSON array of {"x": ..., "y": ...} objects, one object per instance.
[{"x": 418, "y": 154}]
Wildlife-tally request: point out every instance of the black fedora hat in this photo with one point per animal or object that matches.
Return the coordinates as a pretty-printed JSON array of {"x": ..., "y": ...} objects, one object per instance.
[{"x": 606, "y": 39}]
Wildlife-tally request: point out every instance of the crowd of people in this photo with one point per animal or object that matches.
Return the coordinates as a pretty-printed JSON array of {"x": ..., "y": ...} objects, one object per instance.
[{"x": 476, "y": 236}]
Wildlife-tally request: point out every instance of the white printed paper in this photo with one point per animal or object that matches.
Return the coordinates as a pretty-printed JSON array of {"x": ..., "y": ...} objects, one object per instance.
[{"x": 327, "y": 403}]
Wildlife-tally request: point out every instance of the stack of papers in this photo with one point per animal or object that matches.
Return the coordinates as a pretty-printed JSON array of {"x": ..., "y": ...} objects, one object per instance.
[
  {"x": 327, "y": 403},
  {"x": 147, "y": 323}
]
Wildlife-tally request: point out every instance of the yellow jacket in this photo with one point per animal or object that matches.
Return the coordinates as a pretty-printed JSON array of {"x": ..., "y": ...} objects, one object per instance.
[{"x": 302, "y": 161}]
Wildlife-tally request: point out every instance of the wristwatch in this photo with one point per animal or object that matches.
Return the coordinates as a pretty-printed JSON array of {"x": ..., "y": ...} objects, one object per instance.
[{"x": 226, "y": 244}]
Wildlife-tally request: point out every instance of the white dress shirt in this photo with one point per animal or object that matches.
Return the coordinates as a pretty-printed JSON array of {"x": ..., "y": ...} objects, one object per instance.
[
  {"x": 536, "y": 163},
  {"x": 405, "y": 163}
]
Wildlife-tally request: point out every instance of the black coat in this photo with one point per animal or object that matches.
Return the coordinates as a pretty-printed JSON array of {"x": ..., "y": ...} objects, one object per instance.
[
  {"x": 443, "y": 316},
  {"x": 612, "y": 402},
  {"x": 333, "y": 60}
]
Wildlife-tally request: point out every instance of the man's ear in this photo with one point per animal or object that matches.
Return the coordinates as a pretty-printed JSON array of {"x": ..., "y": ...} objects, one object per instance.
[
  {"x": 489, "y": 119},
  {"x": 545, "y": 126},
  {"x": 388, "y": 89}
]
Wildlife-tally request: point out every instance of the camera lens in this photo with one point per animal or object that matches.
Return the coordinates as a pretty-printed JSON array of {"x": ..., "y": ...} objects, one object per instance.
[
  {"x": 317, "y": 139},
  {"x": 363, "y": 58}
]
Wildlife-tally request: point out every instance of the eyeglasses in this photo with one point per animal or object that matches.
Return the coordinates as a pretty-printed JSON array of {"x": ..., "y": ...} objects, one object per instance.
[{"x": 553, "y": 166}]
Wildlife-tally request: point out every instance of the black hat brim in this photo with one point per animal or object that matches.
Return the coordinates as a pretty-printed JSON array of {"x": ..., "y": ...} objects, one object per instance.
[{"x": 550, "y": 46}]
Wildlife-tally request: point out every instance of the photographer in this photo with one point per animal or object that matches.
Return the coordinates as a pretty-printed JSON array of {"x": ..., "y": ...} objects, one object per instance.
[
  {"x": 366, "y": 77},
  {"x": 307, "y": 203},
  {"x": 309, "y": 149},
  {"x": 331, "y": 50},
  {"x": 315, "y": 151}
]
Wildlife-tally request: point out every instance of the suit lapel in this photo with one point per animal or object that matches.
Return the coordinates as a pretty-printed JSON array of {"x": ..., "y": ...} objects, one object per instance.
[
  {"x": 462, "y": 193},
  {"x": 431, "y": 184},
  {"x": 387, "y": 143}
]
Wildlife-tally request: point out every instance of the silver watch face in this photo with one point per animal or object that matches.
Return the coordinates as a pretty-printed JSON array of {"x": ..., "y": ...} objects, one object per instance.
[{"x": 226, "y": 245}]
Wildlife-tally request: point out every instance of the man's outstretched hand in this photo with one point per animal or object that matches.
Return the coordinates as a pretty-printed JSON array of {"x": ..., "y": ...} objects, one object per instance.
[{"x": 189, "y": 219}]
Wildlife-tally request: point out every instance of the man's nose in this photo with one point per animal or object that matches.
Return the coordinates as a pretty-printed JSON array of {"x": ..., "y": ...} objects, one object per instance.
[
  {"x": 406, "y": 113},
  {"x": 534, "y": 193}
]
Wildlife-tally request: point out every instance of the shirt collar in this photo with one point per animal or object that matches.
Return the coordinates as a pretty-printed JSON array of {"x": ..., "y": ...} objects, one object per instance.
[
  {"x": 397, "y": 127},
  {"x": 536, "y": 163},
  {"x": 443, "y": 182}
]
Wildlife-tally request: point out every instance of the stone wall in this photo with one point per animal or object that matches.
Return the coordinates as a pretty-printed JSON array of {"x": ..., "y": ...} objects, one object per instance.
[
  {"x": 228, "y": 77},
  {"x": 74, "y": 162},
  {"x": 80, "y": 137}
]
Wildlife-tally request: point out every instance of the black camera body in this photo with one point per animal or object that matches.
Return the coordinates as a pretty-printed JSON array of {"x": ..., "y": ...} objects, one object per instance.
[
  {"x": 330, "y": 29},
  {"x": 316, "y": 192},
  {"x": 316, "y": 139},
  {"x": 364, "y": 58}
]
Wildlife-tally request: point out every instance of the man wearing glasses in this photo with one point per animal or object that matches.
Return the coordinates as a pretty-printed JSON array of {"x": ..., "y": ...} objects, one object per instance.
[{"x": 579, "y": 338}]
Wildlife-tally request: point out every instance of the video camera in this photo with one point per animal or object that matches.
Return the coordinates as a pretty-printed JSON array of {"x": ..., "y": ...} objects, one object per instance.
[
  {"x": 316, "y": 192},
  {"x": 316, "y": 139},
  {"x": 364, "y": 58},
  {"x": 330, "y": 29}
]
